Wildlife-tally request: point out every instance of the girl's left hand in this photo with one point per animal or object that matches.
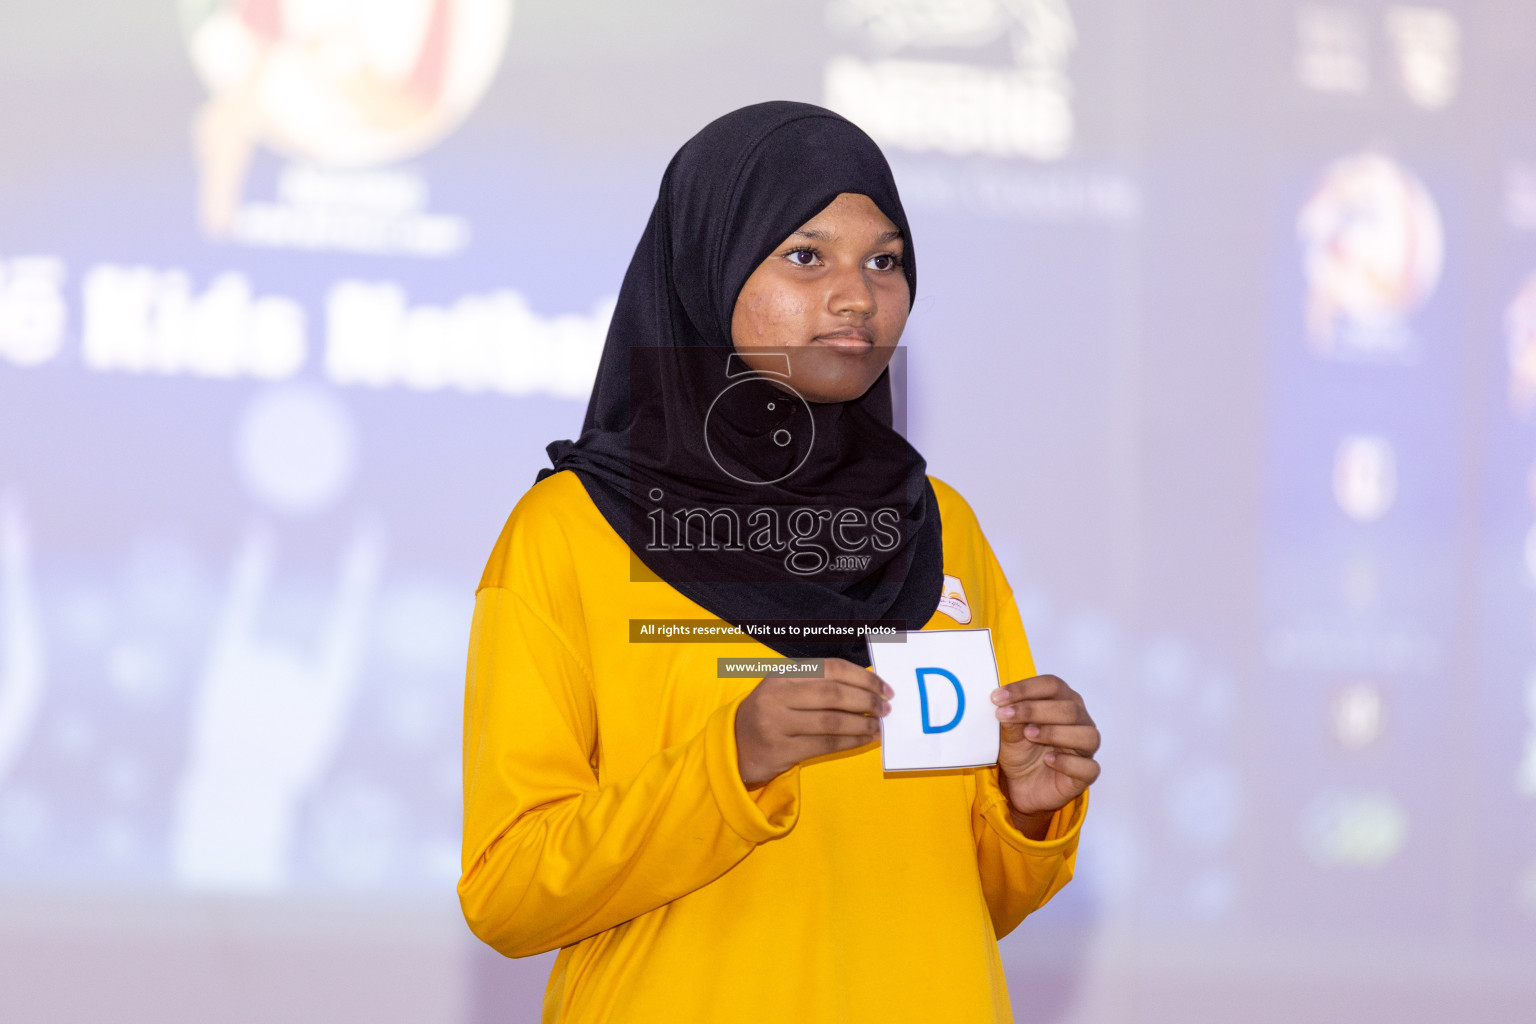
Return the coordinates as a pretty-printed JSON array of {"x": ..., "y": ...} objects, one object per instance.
[{"x": 1045, "y": 760}]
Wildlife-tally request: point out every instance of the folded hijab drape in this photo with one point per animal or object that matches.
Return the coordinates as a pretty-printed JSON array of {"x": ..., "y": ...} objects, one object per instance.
[{"x": 716, "y": 476}]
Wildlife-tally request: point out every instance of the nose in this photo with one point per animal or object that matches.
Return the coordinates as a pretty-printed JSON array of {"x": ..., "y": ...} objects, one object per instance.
[{"x": 850, "y": 295}]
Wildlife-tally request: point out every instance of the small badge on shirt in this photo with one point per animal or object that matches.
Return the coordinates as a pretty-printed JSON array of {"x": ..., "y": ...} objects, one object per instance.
[{"x": 953, "y": 602}]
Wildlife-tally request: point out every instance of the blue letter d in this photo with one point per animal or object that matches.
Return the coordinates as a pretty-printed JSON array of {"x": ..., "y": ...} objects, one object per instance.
[{"x": 922, "y": 696}]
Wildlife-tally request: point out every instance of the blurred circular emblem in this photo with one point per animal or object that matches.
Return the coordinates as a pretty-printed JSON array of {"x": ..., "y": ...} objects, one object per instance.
[
  {"x": 1373, "y": 250},
  {"x": 333, "y": 83}
]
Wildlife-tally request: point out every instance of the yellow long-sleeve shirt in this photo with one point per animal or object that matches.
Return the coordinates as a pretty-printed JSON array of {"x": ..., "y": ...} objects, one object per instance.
[{"x": 604, "y": 812}]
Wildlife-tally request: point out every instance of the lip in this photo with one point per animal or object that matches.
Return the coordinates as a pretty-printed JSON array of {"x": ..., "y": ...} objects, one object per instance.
[{"x": 850, "y": 338}]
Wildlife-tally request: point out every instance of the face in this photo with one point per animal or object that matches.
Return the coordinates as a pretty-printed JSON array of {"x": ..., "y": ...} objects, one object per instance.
[{"x": 833, "y": 297}]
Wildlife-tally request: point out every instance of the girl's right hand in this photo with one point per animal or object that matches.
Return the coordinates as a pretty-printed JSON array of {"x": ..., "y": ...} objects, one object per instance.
[{"x": 785, "y": 721}]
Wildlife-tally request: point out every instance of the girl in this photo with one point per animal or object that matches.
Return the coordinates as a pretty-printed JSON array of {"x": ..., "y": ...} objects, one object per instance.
[{"x": 704, "y": 848}]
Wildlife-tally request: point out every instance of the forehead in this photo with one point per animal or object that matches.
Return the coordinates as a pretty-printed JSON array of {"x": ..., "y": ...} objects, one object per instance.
[{"x": 851, "y": 216}]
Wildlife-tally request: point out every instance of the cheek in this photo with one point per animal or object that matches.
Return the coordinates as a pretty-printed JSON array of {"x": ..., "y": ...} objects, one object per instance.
[
  {"x": 770, "y": 316},
  {"x": 893, "y": 307}
]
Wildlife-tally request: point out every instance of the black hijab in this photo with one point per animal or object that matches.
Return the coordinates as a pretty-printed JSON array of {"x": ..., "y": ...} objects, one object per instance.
[{"x": 714, "y": 475}]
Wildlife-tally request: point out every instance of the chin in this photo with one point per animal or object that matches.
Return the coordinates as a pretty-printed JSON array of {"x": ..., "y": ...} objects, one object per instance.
[
  {"x": 825, "y": 392},
  {"x": 825, "y": 374}
]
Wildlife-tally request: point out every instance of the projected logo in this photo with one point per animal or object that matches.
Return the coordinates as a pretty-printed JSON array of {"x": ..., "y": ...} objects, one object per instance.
[
  {"x": 269, "y": 715},
  {"x": 1373, "y": 250},
  {"x": 1365, "y": 477},
  {"x": 1333, "y": 52},
  {"x": 1520, "y": 329},
  {"x": 337, "y": 86},
  {"x": 1353, "y": 830},
  {"x": 1022, "y": 109}
]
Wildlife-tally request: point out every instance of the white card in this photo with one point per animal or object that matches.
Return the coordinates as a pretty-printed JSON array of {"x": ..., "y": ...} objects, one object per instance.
[{"x": 942, "y": 715}]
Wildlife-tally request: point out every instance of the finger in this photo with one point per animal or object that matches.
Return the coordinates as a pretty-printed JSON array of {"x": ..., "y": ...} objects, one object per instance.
[
  {"x": 1074, "y": 766},
  {"x": 844, "y": 671},
  {"x": 830, "y": 723},
  {"x": 824, "y": 694},
  {"x": 1013, "y": 733},
  {"x": 832, "y": 744},
  {"x": 1042, "y": 712},
  {"x": 1078, "y": 739},
  {"x": 1034, "y": 688}
]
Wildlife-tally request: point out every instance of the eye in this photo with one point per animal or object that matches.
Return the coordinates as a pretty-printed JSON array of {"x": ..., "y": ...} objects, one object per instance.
[
  {"x": 803, "y": 257},
  {"x": 884, "y": 261}
]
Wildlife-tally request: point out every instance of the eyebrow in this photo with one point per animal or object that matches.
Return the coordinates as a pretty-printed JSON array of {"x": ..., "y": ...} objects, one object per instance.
[{"x": 823, "y": 236}]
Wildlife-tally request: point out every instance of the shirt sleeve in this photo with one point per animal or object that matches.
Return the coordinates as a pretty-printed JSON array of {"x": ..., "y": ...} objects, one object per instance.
[
  {"x": 1019, "y": 875},
  {"x": 551, "y": 854}
]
